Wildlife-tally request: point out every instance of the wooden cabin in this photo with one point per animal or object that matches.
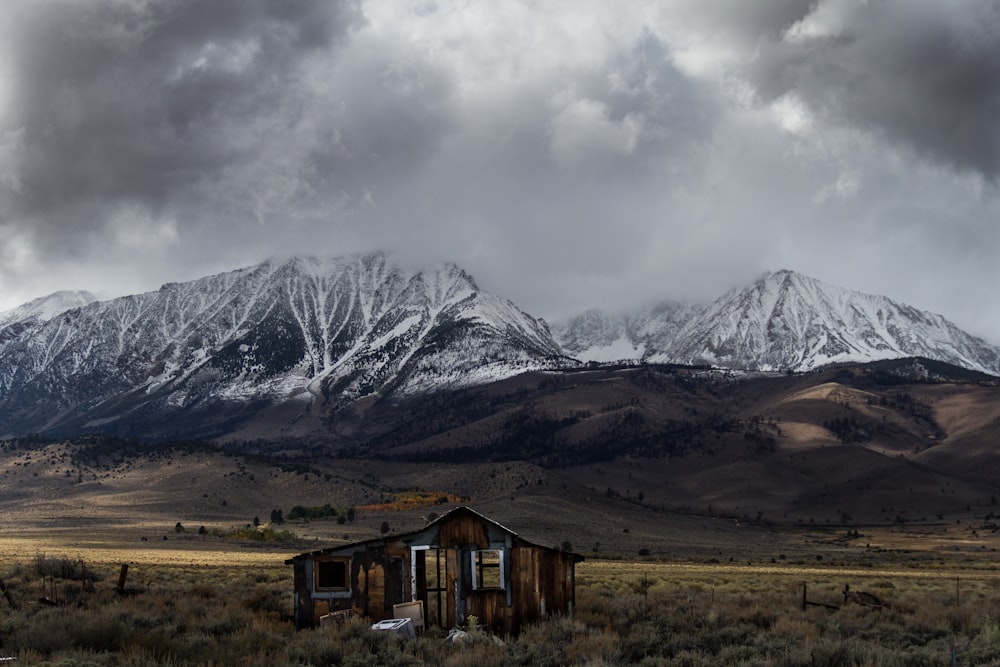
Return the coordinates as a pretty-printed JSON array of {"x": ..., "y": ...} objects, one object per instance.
[{"x": 461, "y": 564}]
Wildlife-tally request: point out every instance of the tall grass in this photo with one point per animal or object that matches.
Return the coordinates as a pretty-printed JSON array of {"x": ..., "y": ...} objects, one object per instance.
[{"x": 626, "y": 614}]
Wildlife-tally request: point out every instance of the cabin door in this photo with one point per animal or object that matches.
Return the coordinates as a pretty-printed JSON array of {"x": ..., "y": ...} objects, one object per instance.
[{"x": 431, "y": 574}]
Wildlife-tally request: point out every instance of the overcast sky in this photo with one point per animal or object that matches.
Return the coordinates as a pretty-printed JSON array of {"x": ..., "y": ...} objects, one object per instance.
[{"x": 567, "y": 154}]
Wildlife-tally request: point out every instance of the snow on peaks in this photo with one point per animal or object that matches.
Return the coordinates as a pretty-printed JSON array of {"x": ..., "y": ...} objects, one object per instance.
[
  {"x": 446, "y": 284},
  {"x": 46, "y": 307},
  {"x": 591, "y": 329},
  {"x": 784, "y": 320},
  {"x": 334, "y": 329}
]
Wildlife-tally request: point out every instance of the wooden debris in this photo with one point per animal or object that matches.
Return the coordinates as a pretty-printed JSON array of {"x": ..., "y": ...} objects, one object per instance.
[
  {"x": 807, "y": 603},
  {"x": 863, "y": 598}
]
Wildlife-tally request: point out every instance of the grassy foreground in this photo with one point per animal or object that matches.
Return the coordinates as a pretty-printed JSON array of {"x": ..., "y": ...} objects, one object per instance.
[{"x": 236, "y": 612}]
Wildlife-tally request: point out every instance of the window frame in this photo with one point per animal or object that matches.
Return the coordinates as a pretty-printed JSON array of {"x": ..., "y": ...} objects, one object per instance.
[
  {"x": 344, "y": 561},
  {"x": 478, "y": 565}
]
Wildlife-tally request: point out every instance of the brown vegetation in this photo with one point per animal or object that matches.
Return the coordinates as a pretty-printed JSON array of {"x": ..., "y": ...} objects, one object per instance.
[{"x": 627, "y": 614}]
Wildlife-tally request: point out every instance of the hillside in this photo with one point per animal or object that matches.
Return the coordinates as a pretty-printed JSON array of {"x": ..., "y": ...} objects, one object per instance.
[{"x": 570, "y": 453}]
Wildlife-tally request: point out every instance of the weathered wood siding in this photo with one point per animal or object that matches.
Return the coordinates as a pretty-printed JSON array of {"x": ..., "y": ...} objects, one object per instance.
[
  {"x": 537, "y": 581},
  {"x": 304, "y": 616},
  {"x": 543, "y": 584},
  {"x": 452, "y": 586},
  {"x": 491, "y": 610},
  {"x": 464, "y": 531}
]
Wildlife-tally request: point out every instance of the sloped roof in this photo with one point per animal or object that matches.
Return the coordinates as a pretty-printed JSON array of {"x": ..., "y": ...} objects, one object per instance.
[
  {"x": 464, "y": 508},
  {"x": 447, "y": 516}
]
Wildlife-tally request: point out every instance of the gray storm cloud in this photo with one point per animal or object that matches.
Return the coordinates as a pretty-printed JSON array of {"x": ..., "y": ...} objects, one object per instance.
[
  {"x": 140, "y": 103},
  {"x": 568, "y": 155},
  {"x": 926, "y": 75}
]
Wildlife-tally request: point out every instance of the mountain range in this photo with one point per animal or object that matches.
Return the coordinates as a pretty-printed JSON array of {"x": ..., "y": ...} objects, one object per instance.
[
  {"x": 318, "y": 333},
  {"x": 303, "y": 339},
  {"x": 783, "y": 321}
]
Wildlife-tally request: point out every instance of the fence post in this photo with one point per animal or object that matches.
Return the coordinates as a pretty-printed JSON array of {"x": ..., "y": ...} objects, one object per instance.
[{"x": 122, "y": 575}]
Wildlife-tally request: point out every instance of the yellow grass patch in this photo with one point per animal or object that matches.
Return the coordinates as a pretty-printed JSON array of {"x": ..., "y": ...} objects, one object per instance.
[
  {"x": 208, "y": 553},
  {"x": 412, "y": 500}
]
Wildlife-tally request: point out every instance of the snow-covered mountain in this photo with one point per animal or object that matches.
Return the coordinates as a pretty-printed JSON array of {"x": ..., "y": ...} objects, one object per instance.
[
  {"x": 309, "y": 337},
  {"x": 321, "y": 331},
  {"x": 41, "y": 309},
  {"x": 46, "y": 307},
  {"x": 784, "y": 320},
  {"x": 598, "y": 336}
]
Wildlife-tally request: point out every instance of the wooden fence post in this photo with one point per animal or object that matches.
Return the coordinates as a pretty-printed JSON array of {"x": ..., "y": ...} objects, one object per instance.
[{"x": 122, "y": 575}]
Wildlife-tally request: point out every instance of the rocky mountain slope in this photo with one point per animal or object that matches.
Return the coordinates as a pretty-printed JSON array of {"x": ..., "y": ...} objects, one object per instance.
[
  {"x": 279, "y": 350},
  {"x": 193, "y": 357},
  {"x": 784, "y": 321},
  {"x": 42, "y": 309}
]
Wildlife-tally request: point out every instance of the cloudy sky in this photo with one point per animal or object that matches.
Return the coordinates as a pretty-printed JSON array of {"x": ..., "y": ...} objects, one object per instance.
[{"x": 568, "y": 154}]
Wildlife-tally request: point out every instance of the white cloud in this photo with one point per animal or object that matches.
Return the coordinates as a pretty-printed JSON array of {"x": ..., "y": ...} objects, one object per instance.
[
  {"x": 829, "y": 18},
  {"x": 17, "y": 252},
  {"x": 134, "y": 228},
  {"x": 582, "y": 131},
  {"x": 846, "y": 186},
  {"x": 792, "y": 115}
]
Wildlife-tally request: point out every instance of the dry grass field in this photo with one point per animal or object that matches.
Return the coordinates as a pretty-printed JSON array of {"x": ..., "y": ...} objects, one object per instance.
[{"x": 206, "y": 601}]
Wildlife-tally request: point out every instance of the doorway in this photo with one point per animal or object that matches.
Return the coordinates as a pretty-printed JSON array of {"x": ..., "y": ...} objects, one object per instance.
[{"x": 430, "y": 568}]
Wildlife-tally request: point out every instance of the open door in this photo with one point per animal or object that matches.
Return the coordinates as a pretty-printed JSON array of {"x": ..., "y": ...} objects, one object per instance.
[{"x": 430, "y": 567}]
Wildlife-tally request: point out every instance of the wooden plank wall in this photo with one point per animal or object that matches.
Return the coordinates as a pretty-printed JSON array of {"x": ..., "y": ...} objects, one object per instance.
[
  {"x": 451, "y": 594},
  {"x": 463, "y": 531},
  {"x": 490, "y": 607},
  {"x": 375, "y": 579},
  {"x": 304, "y": 617},
  {"x": 540, "y": 581}
]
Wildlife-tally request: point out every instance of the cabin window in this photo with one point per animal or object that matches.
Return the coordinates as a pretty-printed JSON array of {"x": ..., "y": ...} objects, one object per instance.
[
  {"x": 332, "y": 574},
  {"x": 487, "y": 569}
]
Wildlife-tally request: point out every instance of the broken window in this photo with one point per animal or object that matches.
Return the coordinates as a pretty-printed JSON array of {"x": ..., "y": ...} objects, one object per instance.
[
  {"x": 487, "y": 569},
  {"x": 333, "y": 574}
]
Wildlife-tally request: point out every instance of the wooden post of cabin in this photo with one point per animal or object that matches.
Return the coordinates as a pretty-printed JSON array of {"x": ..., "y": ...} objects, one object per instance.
[
  {"x": 6, "y": 594},
  {"x": 122, "y": 575}
]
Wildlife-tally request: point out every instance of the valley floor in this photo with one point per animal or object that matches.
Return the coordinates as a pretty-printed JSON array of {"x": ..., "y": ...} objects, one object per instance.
[{"x": 204, "y": 600}]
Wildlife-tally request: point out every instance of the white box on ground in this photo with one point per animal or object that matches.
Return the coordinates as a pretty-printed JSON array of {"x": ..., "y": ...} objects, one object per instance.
[{"x": 401, "y": 626}]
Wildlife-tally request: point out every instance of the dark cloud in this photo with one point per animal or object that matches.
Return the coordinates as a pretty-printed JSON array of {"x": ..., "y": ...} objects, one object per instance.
[
  {"x": 559, "y": 181},
  {"x": 386, "y": 112},
  {"x": 746, "y": 22},
  {"x": 925, "y": 75},
  {"x": 138, "y": 102},
  {"x": 568, "y": 155}
]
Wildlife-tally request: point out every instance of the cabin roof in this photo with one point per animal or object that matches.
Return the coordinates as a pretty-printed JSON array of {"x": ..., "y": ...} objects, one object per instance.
[{"x": 447, "y": 516}]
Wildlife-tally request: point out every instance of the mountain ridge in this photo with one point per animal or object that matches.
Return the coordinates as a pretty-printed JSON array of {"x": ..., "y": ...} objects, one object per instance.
[
  {"x": 308, "y": 337},
  {"x": 328, "y": 330},
  {"x": 783, "y": 321}
]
